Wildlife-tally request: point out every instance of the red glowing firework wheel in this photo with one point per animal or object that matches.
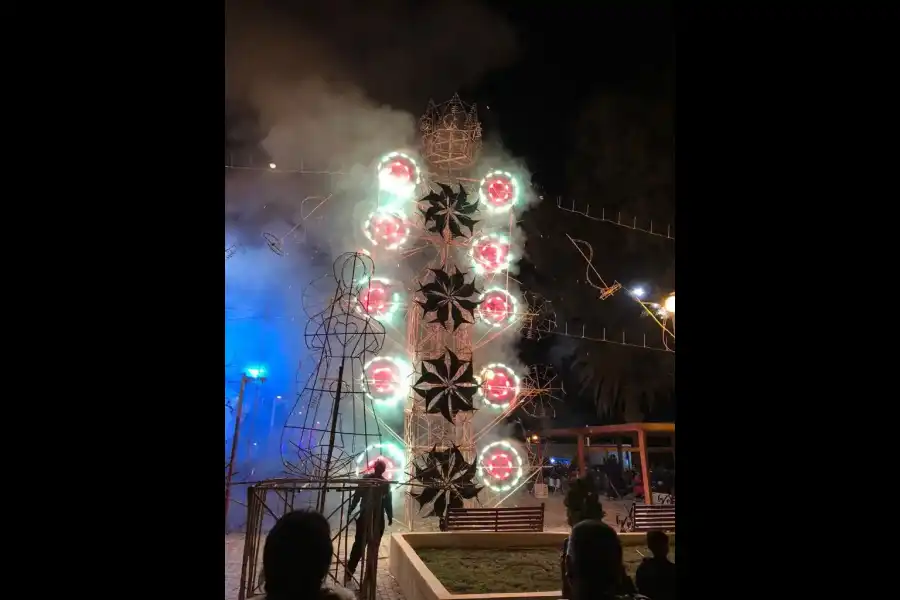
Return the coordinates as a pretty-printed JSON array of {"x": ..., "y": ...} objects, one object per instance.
[
  {"x": 398, "y": 174},
  {"x": 499, "y": 465},
  {"x": 491, "y": 253},
  {"x": 401, "y": 170},
  {"x": 499, "y": 386},
  {"x": 498, "y": 191},
  {"x": 497, "y": 307},
  {"x": 386, "y": 229},
  {"x": 390, "y": 454},
  {"x": 375, "y": 299},
  {"x": 384, "y": 379},
  {"x": 388, "y": 463}
]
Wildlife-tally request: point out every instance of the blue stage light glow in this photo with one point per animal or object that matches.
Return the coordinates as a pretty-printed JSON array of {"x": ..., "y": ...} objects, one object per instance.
[
  {"x": 256, "y": 372},
  {"x": 264, "y": 325}
]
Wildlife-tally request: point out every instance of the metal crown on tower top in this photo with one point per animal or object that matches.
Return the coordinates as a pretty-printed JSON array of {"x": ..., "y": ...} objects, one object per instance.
[{"x": 451, "y": 135}]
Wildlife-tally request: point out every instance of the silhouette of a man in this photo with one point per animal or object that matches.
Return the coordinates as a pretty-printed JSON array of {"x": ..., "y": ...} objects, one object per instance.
[
  {"x": 656, "y": 576},
  {"x": 386, "y": 509}
]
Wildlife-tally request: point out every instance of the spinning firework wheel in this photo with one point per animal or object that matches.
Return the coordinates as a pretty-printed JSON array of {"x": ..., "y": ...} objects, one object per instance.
[
  {"x": 501, "y": 467},
  {"x": 330, "y": 424},
  {"x": 542, "y": 388},
  {"x": 393, "y": 457},
  {"x": 499, "y": 386},
  {"x": 538, "y": 318}
]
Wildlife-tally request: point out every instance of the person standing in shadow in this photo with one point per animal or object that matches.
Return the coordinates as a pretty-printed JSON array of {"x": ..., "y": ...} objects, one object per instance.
[
  {"x": 296, "y": 559},
  {"x": 583, "y": 504},
  {"x": 594, "y": 567},
  {"x": 655, "y": 576},
  {"x": 386, "y": 509}
]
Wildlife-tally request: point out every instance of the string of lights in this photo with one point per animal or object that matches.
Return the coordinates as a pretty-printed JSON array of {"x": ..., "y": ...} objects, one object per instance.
[
  {"x": 666, "y": 231},
  {"x": 273, "y": 168},
  {"x": 604, "y": 339}
]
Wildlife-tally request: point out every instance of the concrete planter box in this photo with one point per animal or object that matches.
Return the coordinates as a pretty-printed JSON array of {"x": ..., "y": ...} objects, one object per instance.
[{"x": 417, "y": 581}]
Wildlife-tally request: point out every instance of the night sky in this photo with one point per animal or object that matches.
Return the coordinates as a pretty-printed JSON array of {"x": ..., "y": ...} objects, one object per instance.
[
  {"x": 568, "y": 53},
  {"x": 533, "y": 64}
]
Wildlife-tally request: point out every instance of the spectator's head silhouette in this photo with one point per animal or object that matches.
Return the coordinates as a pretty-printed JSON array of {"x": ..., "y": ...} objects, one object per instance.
[
  {"x": 379, "y": 467},
  {"x": 297, "y": 556},
  {"x": 593, "y": 560},
  {"x": 658, "y": 542}
]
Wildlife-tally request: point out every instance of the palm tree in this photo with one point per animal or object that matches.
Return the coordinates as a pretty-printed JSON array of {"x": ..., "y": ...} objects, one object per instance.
[{"x": 625, "y": 384}]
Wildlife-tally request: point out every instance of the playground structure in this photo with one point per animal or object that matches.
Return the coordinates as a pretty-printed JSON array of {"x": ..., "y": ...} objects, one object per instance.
[{"x": 584, "y": 435}]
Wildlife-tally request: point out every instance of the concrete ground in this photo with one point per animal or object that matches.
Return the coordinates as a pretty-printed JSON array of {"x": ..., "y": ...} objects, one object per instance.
[{"x": 554, "y": 520}]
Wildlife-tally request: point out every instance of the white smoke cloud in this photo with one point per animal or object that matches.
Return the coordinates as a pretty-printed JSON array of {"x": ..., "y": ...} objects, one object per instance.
[{"x": 337, "y": 87}]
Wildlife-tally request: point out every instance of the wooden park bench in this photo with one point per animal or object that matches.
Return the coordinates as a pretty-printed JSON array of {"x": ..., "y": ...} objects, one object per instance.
[
  {"x": 649, "y": 517},
  {"x": 526, "y": 518}
]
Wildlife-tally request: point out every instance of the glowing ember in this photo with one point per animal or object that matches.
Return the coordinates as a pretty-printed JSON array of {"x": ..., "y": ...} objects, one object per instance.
[
  {"x": 498, "y": 191},
  {"x": 497, "y": 306},
  {"x": 386, "y": 229},
  {"x": 499, "y": 465},
  {"x": 491, "y": 253},
  {"x": 499, "y": 386}
]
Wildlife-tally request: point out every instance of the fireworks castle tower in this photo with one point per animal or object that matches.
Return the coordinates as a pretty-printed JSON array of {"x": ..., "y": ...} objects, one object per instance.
[{"x": 451, "y": 224}]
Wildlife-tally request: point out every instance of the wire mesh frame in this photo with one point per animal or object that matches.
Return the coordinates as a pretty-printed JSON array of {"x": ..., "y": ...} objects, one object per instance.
[
  {"x": 344, "y": 339},
  {"x": 451, "y": 134},
  {"x": 276, "y": 497}
]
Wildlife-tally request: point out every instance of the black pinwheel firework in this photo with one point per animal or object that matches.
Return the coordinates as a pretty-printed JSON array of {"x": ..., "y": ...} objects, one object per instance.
[
  {"x": 449, "y": 297},
  {"x": 449, "y": 210},
  {"x": 447, "y": 479},
  {"x": 447, "y": 385}
]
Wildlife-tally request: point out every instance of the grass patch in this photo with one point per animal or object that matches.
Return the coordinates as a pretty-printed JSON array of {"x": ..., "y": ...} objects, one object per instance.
[{"x": 502, "y": 570}]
